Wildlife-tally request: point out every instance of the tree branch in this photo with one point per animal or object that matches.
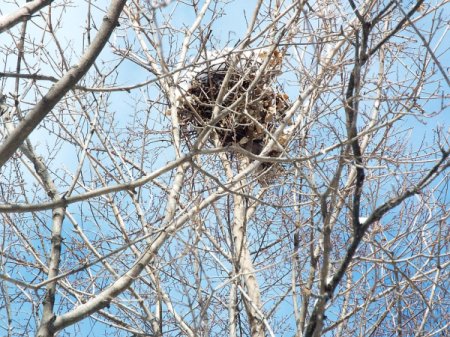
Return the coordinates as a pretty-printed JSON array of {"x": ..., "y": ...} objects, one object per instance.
[
  {"x": 23, "y": 13},
  {"x": 43, "y": 107}
]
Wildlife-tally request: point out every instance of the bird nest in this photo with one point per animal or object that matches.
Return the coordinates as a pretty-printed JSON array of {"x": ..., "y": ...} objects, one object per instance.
[{"x": 249, "y": 107}]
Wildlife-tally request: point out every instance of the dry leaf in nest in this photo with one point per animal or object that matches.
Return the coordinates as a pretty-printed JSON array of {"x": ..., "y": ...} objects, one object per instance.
[
  {"x": 259, "y": 130},
  {"x": 276, "y": 58},
  {"x": 243, "y": 141},
  {"x": 283, "y": 139}
]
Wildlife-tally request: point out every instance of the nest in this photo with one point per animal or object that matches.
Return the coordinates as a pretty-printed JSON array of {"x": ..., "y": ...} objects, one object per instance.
[{"x": 252, "y": 108}]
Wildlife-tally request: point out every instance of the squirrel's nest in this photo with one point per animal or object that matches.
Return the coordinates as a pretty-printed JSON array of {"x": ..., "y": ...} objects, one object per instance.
[{"x": 249, "y": 105}]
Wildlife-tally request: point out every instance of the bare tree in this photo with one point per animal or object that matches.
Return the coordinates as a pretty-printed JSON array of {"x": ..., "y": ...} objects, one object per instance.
[{"x": 212, "y": 168}]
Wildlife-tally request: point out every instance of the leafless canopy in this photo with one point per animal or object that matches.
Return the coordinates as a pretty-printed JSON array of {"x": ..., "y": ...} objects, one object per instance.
[{"x": 224, "y": 168}]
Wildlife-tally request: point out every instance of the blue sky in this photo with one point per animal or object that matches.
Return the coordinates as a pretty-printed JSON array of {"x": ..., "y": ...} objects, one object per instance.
[{"x": 229, "y": 27}]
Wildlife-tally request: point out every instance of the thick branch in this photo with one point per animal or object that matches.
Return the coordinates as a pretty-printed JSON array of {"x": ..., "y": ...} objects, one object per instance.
[
  {"x": 375, "y": 216},
  {"x": 23, "y": 13},
  {"x": 42, "y": 108},
  {"x": 104, "y": 298}
]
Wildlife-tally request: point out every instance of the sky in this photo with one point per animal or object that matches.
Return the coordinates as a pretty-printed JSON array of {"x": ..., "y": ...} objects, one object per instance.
[{"x": 230, "y": 26}]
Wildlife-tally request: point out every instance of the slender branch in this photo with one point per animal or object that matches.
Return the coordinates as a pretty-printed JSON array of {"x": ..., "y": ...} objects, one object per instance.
[
  {"x": 427, "y": 45},
  {"x": 397, "y": 28}
]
